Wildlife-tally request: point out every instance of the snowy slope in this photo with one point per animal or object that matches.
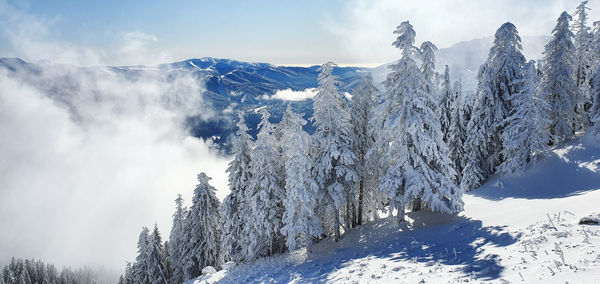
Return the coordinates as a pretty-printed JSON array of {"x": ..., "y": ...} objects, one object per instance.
[{"x": 515, "y": 229}]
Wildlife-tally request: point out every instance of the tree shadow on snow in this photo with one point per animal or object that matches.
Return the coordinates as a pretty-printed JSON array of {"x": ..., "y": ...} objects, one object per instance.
[
  {"x": 430, "y": 239},
  {"x": 570, "y": 170},
  {"x": 434, "y": 238}
]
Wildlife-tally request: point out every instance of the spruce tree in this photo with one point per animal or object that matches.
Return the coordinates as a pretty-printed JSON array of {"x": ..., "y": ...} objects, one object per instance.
[
  {"x": 235, "y": 206},
  {"x": 204, "y": 227},
  {"x": 364, "y": 100},
  {"x": 583, "y": 61},
  {"x": 427, "y": 53},
  {"x": 593, "y": 134},
  {"x": 140, "y": 267},
  {"x": 418, "y": 165},
  {"x": 264, "y": 195},
  {"x": 457, "y": 134},
  {"x": 500, "y": 78},
  {"x": 334, "y": 159},
  {"x": 525, "y": 138},
  {"x": 558, "y": 81},
  {"x": 157, "y": 273},
  {"x": 445, "y": 103},
  {"x": 299, "y": 218},
  {"x": 177, "y": 241}
]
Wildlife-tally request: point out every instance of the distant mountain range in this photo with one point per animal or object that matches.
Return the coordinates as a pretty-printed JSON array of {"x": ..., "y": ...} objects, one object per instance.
[{"x": 233, "y": 85}]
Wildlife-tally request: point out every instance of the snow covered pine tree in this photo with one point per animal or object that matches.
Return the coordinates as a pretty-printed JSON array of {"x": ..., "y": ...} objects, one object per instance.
[
  {"x": 177, "y": 241},
  {"x": 334, "y": 159},
  {"x": 264, "y": 195},
  {"x": 558, "y": 81},
  {"x": 299, "y": 218},
  {"x": 235, "y": 205},
  {"x": 203, "y": 228},
  {"x": 364, "y": 100},
  {"x": 418, "y": 166},
  {"x": 525, "y": 138},
  {"x": 500, "y": 78}
]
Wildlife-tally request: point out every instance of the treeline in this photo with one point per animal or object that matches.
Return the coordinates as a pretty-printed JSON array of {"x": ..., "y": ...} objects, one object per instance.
[
  {"x": 417, "y": 145},
  {"x": 27, "y": 271}
]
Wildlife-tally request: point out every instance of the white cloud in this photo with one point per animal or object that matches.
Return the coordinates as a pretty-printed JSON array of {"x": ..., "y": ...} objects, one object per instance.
[
  {"x": 77, "y": 183},
  {"x": 89, "y": 156},
  {"x": 291, "y": 95}
]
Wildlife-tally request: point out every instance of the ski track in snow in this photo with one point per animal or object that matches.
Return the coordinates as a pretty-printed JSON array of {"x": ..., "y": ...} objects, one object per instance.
[{"x": 526, "y": 231}]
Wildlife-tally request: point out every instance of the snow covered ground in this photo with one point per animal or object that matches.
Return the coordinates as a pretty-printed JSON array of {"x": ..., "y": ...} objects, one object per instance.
[{"x": 520, "y": 228}]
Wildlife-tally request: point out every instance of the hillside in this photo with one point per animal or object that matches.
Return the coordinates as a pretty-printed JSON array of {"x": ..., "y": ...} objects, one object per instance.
[{"x": 520, "y": 228}]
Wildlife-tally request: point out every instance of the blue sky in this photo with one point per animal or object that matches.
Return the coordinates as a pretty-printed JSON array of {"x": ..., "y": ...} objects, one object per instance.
[{"x": 356, "y": 32}]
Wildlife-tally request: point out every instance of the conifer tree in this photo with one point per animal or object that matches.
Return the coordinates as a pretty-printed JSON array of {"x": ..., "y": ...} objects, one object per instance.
[
  {"x": 457, "y": 134},
  {"x": 427, "y": 53},
  {"x": 445, "y": 104},
  {"x": 235, "y": 205},
  {"x": 593, "y": 134},
  {"x": 525, "y": 138},
  {"x": 419, "y": 167},
  {"x": 583, "y": 61},
  {"x": 203, "y": 228},
  {"x": 265, "y": 195},
  {"x": 558, "y": 81},
  {"x": 364, "y": 100},
  {"x": 140, "y": 267},
  {"x": 499, "y": 79},
  {"x": 299, "y": 219},
  {"x": 177, "y": 241},
  {"x": 334, "y": 159},
  {"x": 157, "y": 273}
]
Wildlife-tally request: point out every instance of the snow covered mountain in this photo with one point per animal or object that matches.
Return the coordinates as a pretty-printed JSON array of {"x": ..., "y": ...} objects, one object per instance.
[
  {"x": 518, "y": 228},
  {"x": 228, "y": 86}
]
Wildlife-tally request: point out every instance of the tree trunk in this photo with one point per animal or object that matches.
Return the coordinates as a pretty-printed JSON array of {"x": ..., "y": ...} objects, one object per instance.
[
  {"x": 336, "y": 221},
  {"x": 349, "y": 213},
  {"x": 360, "y": 202},
  {"x": 400, "y": 215},
  {"x": 353, "y": 215},
  {"x": 416, "y": 206},
  {"x": 308, "y": 243}
]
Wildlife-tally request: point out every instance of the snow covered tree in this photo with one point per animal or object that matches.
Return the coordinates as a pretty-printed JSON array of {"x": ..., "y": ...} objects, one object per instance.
[
  {"x": 595, "y": 48},
  {"x": 558, "y": 81},
  {"x": 525, "y": 138},
  {"x": 157, "y": 273},
  {"x": 584, "y": 62},
  {"x": 235, "y": 204},
  {"x": 419, "y": 167},
  {"x": 457, "y": 134},
  {"x": 264, "y": 194},
  {"x": 299, "y": 218},
  {"x": 427, "y": 52},
  {"x": 177, "y": 241},
  {"x": 499, "y": 79},
  {"x": 593, "y": 133},
  {"x": 364, "y": 100},
  {"x": 141, "y": 265},
  {"x": 334, "y": 159},
  {"x": 445, "y": 103},
  {"x": 203, "y": 225}
]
